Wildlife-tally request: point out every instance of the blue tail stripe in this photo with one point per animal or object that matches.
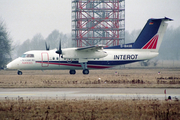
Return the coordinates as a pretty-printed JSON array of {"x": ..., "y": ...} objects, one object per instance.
[{"x": 150, "y": 29}]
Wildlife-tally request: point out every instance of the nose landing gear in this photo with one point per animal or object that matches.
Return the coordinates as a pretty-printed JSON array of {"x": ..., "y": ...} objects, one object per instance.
[
  {"x": 72, "y": 72},
  {"x": 19, "y": 72}
]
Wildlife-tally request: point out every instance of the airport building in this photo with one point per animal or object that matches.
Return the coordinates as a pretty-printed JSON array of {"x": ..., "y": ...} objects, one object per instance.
[{"x": 98, "y": 22}]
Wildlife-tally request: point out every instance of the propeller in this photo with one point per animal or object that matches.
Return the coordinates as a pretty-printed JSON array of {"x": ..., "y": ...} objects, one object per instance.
[
  {"x": 47, "y": 47},
  {"x": 59, "y": 51}
]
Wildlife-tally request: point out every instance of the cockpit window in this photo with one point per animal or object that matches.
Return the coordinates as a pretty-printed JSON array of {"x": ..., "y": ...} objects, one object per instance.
[
  {"x": 27, "y": 56},
  {"x": 23, "y": 56}
]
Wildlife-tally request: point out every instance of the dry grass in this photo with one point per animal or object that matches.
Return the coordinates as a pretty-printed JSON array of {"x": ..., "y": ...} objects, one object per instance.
[
  {"x": 108, "y": 78},
  {"x": 20, "y": 109}
]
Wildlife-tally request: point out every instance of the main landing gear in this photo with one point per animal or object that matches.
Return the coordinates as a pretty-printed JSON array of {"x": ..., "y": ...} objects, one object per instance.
[
  {"x": 85, "y": 69},
  {"x": 19, "y": 72},
  {"x": 85, "y": 72}
]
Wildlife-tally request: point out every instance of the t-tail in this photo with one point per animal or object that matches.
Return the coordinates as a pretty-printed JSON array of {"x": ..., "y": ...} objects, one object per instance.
[{"x": 152, "y": 34}]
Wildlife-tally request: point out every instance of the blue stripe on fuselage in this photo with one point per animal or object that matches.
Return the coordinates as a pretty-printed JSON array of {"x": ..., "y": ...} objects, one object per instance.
[{"x": 105, "y": 63}]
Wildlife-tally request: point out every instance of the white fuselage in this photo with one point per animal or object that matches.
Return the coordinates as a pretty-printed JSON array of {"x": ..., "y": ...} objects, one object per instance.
[
  {"x": 49, "y": 60},
  {"x": 145, "y": 47}
]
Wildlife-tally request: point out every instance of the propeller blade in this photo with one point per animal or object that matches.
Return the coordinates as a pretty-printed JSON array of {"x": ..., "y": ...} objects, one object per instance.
[
  {"x": 59, "y": 51},
  {"x": 47, "y": 47}
]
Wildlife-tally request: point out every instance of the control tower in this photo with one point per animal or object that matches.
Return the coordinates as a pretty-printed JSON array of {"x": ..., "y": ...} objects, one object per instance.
[{"x": 98, "y": 22}]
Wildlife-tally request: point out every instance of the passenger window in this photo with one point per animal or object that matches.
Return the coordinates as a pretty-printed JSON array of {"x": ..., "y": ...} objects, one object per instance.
[
  {"x": 53, "y": 58},
  {"x": 57, "y": 58}
]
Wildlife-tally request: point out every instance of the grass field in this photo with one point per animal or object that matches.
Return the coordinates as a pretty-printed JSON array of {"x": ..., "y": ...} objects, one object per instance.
[
  {"x": 168, "y": 78},
  {"x": 20, "y": 109},
  {"x": 90, "y": 109}
]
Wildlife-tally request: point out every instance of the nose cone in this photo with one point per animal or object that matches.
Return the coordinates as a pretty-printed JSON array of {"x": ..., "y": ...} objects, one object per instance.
[
  {"x": 14, "y": 65},
  {"x": 9, "y": 66}
]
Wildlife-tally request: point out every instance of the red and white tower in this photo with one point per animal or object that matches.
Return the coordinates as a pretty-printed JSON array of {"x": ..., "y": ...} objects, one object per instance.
[{"x": 98, "y": 22}]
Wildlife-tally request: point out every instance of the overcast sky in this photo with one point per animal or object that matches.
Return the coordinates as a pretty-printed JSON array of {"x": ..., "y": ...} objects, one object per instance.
[{"x": 25, "y": 18}]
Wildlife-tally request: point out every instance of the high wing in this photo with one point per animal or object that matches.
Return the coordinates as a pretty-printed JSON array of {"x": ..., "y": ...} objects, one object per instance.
[{"x": 91, "y": 48}]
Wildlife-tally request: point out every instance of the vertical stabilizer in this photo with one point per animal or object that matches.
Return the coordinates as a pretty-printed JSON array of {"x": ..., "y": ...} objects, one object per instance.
[{"x": 152, "y": 34}]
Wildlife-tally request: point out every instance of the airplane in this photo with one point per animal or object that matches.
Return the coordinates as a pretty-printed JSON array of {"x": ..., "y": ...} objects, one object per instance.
[{"x": 144, "y": 48}]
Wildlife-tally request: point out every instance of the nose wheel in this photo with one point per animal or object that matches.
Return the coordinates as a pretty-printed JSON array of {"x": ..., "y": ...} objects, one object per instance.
[
  {"x": 72, "y": 72},
  {"x": 19, "y": 73}
]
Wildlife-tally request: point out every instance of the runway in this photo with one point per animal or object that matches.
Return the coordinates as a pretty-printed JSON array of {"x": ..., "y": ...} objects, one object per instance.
[{"x": 88, "y": 93}]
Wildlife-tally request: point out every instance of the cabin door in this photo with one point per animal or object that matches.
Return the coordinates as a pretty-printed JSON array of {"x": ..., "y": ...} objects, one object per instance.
[{"x": 45, "y": 59}]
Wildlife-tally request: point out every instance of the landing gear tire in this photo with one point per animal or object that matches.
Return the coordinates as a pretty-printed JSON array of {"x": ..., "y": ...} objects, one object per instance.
[
  {"x": 72, "y": 72},
  {"x": 19, "y": 73},
  {"x": 85, "y": 71}
]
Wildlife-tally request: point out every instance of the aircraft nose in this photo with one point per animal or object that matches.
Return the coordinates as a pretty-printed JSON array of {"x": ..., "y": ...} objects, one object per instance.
[{"x": 9, "y": 66}]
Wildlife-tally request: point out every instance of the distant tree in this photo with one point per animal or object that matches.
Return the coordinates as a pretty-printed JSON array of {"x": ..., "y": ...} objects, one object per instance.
[
  {"x": 131, "y": 37},
  {"x": 5, "y": 45},
  {"x": 169, "y": 49},
  {"x": 55, "y": 36},
  {"x": 23, "y": 48},
  {"x": 53, "y": 39},
  {"x": 38, "y": 42}
]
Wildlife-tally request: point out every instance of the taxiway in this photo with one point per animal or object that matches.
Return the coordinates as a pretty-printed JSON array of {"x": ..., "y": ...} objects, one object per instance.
[{"x": 88, "y": 93}]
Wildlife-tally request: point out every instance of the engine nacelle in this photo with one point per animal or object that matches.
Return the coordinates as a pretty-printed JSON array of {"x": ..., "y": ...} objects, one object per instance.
[{"x": 73, "y": 53}]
